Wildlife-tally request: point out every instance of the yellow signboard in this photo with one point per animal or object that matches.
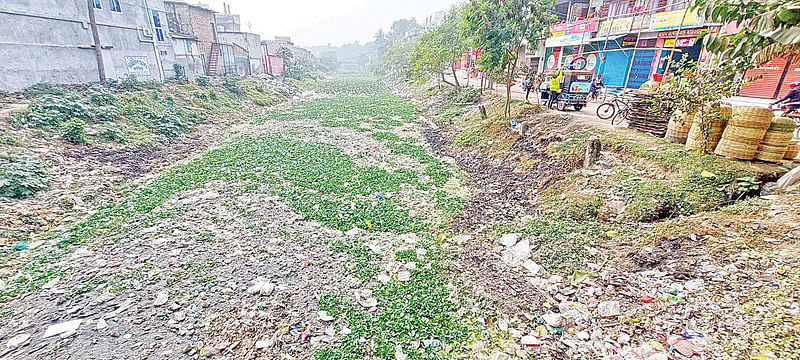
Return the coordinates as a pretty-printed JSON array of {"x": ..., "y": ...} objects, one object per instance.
[
  {"x": 615, "y": 26},
  {"x": 672, "y": 20}
]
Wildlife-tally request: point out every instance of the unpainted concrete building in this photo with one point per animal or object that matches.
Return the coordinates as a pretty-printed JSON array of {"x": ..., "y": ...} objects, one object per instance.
[
  {"x": 51, "y": 41},
  {"x": 187, "y": 54},
  {"x": 198, "y": 22},
  {"x": 249, "y": 43}
]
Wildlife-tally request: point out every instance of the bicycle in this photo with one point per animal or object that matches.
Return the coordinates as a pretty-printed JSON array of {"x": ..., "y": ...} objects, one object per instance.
[
  {"x": 599, "y": 96},
  {"x": 616, "y": 110}
]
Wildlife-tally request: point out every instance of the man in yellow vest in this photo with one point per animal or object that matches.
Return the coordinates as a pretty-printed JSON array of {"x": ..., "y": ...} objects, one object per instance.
[{"x": 555, "y": 86}]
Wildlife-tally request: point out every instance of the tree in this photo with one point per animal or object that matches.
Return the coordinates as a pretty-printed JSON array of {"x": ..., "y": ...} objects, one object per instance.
[
  {"x": 401, "y": 27},
  {"x": 500, "y": 28},
  {"x": 768, "y": 29},
  {"x": 438, "y": 48},
  {"x": 329, "y": 61},
  {"x": 395, "y": 61},
  {"x": 286, "y": 55}
]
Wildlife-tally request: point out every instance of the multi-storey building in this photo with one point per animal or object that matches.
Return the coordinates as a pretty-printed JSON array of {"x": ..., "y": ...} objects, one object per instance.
[{"x": 53, "y": 41}]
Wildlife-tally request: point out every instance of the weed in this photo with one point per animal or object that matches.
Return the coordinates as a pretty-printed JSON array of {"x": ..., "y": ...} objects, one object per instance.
[
  {"x": 74, "y": 131},
  {"x": 203, "y": 81},
  {"x": 21, "y": 175}
]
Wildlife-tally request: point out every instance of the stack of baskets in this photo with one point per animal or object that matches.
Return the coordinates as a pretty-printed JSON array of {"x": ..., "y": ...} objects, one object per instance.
[
  {"x": 792, "y": 150},
  {"x": 707, "y": 140},
  {"x": 678, "y": 127},
  {"x": 776, "y": 141},
  {"x": 744, "y": 132}
]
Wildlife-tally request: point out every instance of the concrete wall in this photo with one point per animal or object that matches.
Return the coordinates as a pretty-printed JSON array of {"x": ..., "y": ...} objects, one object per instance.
[
  {"x": 194, "y": 21},
  {"x": 251, "y": 43},
  {"x": 50, "y": 41},
  {"x": 192, "y": 60}
]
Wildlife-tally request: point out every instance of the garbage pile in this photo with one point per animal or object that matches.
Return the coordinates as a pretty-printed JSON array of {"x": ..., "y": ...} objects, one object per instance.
[{"x": 610, "y": 313}]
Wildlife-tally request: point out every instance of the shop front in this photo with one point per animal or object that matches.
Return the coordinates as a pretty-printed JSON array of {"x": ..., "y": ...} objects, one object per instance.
[
  {"x": 771, "y": 80},
  {"x": 677, "y": 35},
  {"x": 677, "y": 44}
]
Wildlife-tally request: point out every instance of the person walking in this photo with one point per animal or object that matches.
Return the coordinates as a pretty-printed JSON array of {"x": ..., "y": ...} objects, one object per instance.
[
  {"x": 555, "y": 86},
  {"x": 526, "y": 85}
]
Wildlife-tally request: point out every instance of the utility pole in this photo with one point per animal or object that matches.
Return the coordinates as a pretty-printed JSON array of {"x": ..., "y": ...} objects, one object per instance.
[{"x": 98, "y": 51}]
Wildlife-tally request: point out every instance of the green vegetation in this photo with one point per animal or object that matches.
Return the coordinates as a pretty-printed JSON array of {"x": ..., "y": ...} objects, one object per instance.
[
  {"x": 21, "y": 175},
  {"x": 136, "y": 113},
  {"x": 366, "y": 264},
  {"x": 410, "y": 311},
  {"x": 74, "y": 131}
]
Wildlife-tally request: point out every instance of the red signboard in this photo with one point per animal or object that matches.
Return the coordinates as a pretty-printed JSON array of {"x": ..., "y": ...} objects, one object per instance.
[
  {"x": 582, "y": 26},
  {"x": 575, "y": 27},
  {"x": 558, "y": 29}
]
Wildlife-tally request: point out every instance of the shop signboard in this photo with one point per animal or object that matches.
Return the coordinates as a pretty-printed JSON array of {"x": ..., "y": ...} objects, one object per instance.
[
  {"x": 558, "y": 29},
  {"x": 615, "y": 26},
  {"x": 683, "y": 33},
  {"x": 591, "y": 62},
  {"x": 672, "y": 20},
  {"x": 628, "y": 41},
  {"x": 566, "y": 40},
  {"x": 682, "y": 42},
  {"x": 582, "y": 26}
]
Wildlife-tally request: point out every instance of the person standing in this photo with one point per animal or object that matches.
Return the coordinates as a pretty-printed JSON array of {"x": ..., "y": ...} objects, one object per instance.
[
  {"x": 527, "y": 84},
  {"x": 596, "y": 85},
  {"x": 555, "y": 86}
]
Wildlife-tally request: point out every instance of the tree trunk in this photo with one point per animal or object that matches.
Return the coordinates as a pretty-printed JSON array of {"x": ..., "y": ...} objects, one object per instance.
[
  {"x": 455, "y": 76},
  {"x": 512, "y": 69},
  {"x": 98, "y": 51}
]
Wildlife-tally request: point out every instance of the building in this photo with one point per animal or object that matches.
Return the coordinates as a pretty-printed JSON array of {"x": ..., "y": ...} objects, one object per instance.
[
  {"x": 227, "y": 21},
  {"x": 198, "y": 21},
  {"x": 43, "y": 42},
  {"x": 250, "y": 48},
  {"x": 188, "y": 55},
  {"x": 626, "y": 42},
  {"x": 273, "y": 64}
]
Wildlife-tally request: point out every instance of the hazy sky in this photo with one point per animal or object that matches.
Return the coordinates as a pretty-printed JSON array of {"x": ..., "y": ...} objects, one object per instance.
[{"x": 319, "y": 22}]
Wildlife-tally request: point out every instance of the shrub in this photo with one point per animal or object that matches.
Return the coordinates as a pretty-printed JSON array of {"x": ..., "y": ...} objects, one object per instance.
[
  {"x": 44, "y": 89},
  {"x": 21, "y": 175},
  {"x": 180, "y": 73},
  {"x": 231, "y": 83},
  {"x": 73, "y": 130},
  {"x": 101, "y": 97},
  {"x": 7, "y": 138},
  {"x": 203, "y": 81},
  {"x": 173, "y": 122},
  {"x": 112, "y": 132},
  {"x": 49, "y": 111}
]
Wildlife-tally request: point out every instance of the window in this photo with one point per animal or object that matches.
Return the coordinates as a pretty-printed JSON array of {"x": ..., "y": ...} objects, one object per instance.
[
  {"x": 97, "y": 4},
  {"x": 188, "y": 46},
  {"x": 157, "y": 25},
  {"x": 113, "y": 5}
]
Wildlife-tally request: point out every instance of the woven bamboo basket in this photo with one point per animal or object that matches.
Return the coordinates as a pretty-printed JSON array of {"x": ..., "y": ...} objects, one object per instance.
[
  {"x": 776, "y": 141},
  {"x": 743, "y": 134},
  {"x": 697, "y": 139},
  {"x": 792, "y": 150},
  {"x": 679, "y": 126}
]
